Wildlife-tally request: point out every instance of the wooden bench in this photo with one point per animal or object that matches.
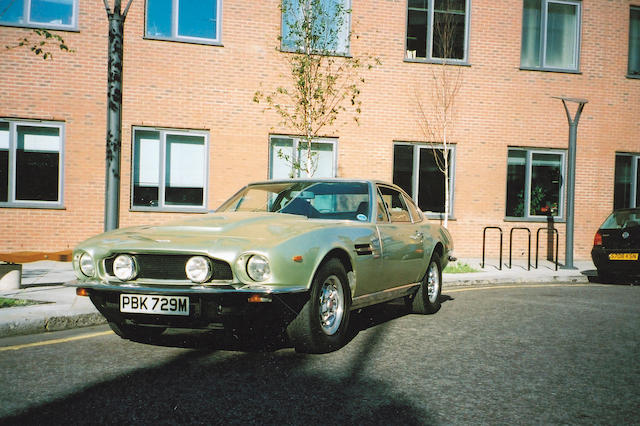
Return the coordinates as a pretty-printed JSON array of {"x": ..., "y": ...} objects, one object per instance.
[{"x": 33, "y": 256}]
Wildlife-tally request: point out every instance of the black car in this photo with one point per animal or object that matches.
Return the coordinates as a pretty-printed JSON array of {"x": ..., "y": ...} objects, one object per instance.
[{"x": 616, "y": 246}]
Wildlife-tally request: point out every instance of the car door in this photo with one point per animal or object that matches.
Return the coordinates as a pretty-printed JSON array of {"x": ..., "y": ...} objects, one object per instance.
[{"x": 401, "y": 240}]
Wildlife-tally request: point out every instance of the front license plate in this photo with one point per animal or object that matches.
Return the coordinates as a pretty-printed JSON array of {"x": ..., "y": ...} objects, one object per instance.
[
  {"x": 623, "y": 256},
  {"x": 152, "y": 304}
]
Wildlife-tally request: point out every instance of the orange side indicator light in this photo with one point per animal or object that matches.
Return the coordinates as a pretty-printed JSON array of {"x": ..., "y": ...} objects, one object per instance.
[
  {"x": 297, "y": 258},
  {"x": 82, "y": 292},
  {"x": 259, "y": 298}
]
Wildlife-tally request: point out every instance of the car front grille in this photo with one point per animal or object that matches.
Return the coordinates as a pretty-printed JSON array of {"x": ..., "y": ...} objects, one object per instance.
[{"x": 170, "y": 267}]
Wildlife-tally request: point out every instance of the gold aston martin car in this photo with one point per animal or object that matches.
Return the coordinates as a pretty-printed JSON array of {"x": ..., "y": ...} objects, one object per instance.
[{"x": 309, "y": 251}]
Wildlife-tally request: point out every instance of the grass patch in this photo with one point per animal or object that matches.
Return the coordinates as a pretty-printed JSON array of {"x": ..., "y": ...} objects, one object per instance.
[
  {"x": 9, "y": 303},
  {"x": 459, "y": 268}
]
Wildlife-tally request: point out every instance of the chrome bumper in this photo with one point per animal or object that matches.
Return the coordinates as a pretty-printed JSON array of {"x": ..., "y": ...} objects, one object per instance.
[{"x": 195, "y": 289}]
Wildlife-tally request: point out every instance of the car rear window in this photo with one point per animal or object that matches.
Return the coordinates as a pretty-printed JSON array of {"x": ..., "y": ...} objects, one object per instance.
[{"x": 622, "y": 219}]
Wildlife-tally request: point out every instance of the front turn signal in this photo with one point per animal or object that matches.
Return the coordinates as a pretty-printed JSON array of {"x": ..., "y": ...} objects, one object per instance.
[
  {"x": 80, "y": 291},
  {"x": 259, "y": 298}
]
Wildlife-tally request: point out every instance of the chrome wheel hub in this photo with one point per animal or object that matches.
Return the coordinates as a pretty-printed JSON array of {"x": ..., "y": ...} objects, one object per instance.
[
  {"x": 331, "y": 305},
  {"x": 433, "y": 282}
]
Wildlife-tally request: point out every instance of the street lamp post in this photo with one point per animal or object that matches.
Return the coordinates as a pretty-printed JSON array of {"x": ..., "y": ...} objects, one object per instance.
[
  {"x": 114, "y": 113},
  {"x": 571, "y": 174}
]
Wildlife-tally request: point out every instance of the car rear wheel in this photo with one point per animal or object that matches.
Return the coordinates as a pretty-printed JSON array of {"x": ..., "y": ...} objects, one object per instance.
[
  {"x": 139, "y": 333},
  {"x": 322, "y": 324},
  {"x": 427, "y": 298}
]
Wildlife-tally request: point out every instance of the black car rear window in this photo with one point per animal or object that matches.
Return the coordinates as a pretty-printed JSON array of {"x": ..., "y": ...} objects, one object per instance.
[{"x": 627, "y": 218}]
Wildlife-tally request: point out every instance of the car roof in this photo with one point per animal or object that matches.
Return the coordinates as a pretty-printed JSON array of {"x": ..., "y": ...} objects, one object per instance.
[
  {"x": 337, "y": 180},
  {"x": 314, "y": 180},
  {"x": 627, "y": 209}
]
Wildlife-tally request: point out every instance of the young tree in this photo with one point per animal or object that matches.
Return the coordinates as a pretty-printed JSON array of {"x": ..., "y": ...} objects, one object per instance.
[
  {"x": 323, "y": 81},
  {"x": 438, "y": 113},
  {"x": 40, "y": 42}
]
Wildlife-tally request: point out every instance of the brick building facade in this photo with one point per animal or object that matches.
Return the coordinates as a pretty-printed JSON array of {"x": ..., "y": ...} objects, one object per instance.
[{"x": 189, "y": 100}]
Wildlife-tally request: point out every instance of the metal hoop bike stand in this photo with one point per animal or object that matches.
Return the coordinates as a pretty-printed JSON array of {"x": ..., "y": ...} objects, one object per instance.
[
  {"x": 555, "y": 231},
  {"x": 511, "y": 246},
  {"x": 484, "y": 234}
]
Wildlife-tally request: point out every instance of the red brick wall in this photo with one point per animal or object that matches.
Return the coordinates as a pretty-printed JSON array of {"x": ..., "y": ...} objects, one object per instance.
[{"x": 180, "y": 85}]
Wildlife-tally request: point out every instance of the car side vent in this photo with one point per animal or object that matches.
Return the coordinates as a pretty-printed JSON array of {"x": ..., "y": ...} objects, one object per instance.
[{"x": 364, "y": 249}]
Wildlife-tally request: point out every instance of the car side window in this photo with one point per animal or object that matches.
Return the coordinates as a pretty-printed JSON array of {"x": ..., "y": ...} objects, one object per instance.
[
  {"x": 382, "y": 215},
  {"x": 415, "y": 213},
  {"x": 397, "y": 208}
]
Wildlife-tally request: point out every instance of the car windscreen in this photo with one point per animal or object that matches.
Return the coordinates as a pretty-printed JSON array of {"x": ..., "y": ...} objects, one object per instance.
[
  {"x": 316, "y": 200},
  {"x": 619, "y": 219}
]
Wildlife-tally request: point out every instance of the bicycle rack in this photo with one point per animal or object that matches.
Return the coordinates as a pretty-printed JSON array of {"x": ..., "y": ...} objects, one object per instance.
[
  {"x": 484, "y": 234},
  {"x": 555, "y": 231},
  {"x": 511, "y": 246}
]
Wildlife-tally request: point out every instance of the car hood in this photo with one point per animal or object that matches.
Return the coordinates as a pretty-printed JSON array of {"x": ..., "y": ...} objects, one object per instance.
[{"x": 214, "y": 234}]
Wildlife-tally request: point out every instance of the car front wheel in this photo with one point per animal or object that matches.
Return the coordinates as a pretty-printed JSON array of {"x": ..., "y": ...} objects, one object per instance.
[
  {"x": 427, "y": 298},
  {"x": 322, "y": 324}
]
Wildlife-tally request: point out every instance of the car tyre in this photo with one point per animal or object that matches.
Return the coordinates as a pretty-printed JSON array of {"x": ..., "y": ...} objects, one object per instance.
[
  {"x": 427, "y": 298},
  {"x": 322, "y": 324},
  {"x": 138, "y": 333}
]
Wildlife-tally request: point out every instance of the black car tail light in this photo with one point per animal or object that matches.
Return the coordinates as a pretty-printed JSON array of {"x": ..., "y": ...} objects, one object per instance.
[{"x": 597, "y": 240}]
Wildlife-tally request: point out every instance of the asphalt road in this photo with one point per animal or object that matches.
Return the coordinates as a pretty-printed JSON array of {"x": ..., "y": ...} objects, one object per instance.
[{"x": 509, "y": 355}]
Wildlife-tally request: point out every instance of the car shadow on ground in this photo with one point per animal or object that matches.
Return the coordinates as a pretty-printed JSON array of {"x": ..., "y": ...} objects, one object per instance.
[
  {"x": 271, "y": 336},
  {"x": 207, "y": 386},
  {"x": 593, "y": 277}
]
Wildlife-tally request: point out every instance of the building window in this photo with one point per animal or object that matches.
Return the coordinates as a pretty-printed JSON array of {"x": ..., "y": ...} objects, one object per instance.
[
  {"x": 288, "y": 158},
  {"x": 550, "y": 35},
  {"x": 329, "y": 22},
  {"x": 56, "y": 14},
  {"x": 626, "y": 192},
  {"x": 438, "y": 30},
  {"x": 184, "y": 20},
  {"x": 418, "y": 170},
  {"x": 31, "y": 164},
  {"x": 169, "y": 169},
  {"x": 634, "y": 42},
  {"x": 535, "y": 183}
]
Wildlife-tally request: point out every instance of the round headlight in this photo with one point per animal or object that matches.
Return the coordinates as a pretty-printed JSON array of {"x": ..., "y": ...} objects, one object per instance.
[
  {"x": 258, "y": 268},
  {"x": 86, "y": 265},
  {"x": 198, "y": 269},
  {"x": 124, "y": 267}
]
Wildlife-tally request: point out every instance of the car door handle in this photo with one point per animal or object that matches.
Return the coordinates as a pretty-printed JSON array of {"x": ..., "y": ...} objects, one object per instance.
[{"x": 418, "y": 236}]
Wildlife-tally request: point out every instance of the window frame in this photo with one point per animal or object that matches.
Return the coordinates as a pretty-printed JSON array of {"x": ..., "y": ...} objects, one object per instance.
[
  {"x": 294, "y": 150},
  {"x": 429, "y": 48},
  {"x": 632, "y": 8},
  {"x": 175, "y": 29},
  {"x": 28, "y": 23},
  {"x": 415, "y": 176},
  {"x": 162, "y": 206},
  {"x": 527, "y": 217},
  {"x": 347, "y": 51},
  {"x": 635, "y": 170},
  {"x": 406, "y": 200},
  {"x": 13, "y": 142},
  {"x": 544, "y": 8}
]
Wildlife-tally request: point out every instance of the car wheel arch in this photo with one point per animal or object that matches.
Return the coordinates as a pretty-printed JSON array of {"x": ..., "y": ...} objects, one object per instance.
[
  {"x": 343, "y": 256},
  {"x": 438, "y": 250}
]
